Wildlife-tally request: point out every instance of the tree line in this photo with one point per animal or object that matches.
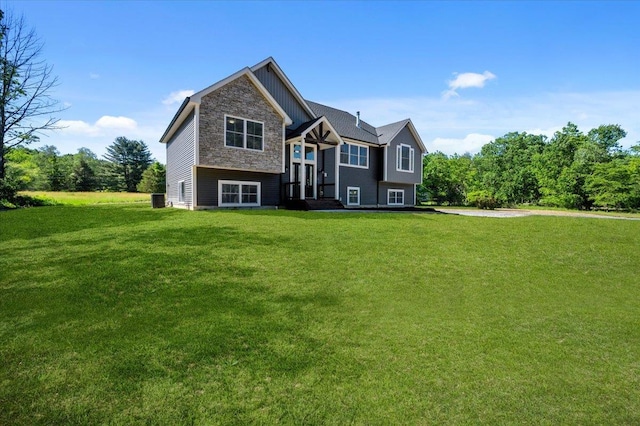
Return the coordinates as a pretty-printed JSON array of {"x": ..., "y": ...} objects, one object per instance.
[
  {"x": 571, "y": 170},
  {"x": 126, "y": 166}
]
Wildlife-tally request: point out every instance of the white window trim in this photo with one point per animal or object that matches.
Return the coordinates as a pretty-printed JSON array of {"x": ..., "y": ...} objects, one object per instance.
[
  {"x": 239, "y": 204},
  {"x": 353, "y": 165},
  {"x": 182, "y": 189},
  {"x": 244, "y": 134},
  {"x": 412, "y": 158},
  {"x": 349, "y": 188},
  {"x": 389, "y": 191}
]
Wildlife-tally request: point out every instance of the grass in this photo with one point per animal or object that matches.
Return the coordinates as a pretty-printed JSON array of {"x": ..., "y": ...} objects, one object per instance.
[
  {"x": 123, "y": 314},
  {"x": 87, "y": 198}
]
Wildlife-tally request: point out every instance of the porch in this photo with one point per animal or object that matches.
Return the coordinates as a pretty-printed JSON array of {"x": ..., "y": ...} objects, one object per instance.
[{"x": 311, "y": 158}]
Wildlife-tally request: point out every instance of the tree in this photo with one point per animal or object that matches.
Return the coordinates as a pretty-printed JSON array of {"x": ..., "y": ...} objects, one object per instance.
[
  {"x": 607, "y": 137},
  {"x": 129, "y": 159},
  {"x": 47, "y": 158},
  {"x": 153, "y": 179},
  {"x": 26, "y": 107},
  {"x": 446, "y": 179},
  {"x": 506, "y": 167}
]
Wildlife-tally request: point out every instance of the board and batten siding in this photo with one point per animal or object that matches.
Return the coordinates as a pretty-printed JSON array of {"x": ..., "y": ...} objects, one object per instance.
[
  {"x": 208, "y": 178},
  {"x": 409, "y": 192},
  {"x": 327, "y": 163},
  {"x": 180, "y": 160},
  {"x": 404, "y": 137},
  {"x": 365, "y": 179},
  {"x": 282, "y": 95}
]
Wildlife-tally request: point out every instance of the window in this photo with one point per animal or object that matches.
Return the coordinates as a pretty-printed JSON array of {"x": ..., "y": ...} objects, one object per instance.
[
  {"x": 353, "y": 196},
  {"x": 354, "y": 155},
  {"x": 241, "y": 133},
  {"x": 404, "y": 158},
  {"x": 395, "y": 197},
  {"x": 181, "y": 191},
  {"x": 309, "y": 152},
  {"x": 236, "y": 193}
]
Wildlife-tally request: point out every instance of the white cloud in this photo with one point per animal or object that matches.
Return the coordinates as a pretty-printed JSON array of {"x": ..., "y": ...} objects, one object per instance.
[
  {"x": 120, "y": 123},
  {"x": 466, "y": 80},
  {"x": 177, "y": 96},
  {"x": 94, "y": 76},
  {"x": 77, "y": 127},
  {"x": 548, "y": 132},
  {"x": 471, "y": 143},
  {"x": 103, "y": 126}
]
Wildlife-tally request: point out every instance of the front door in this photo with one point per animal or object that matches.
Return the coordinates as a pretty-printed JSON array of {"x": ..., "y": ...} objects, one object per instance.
[{"x": 308, "y": 183}]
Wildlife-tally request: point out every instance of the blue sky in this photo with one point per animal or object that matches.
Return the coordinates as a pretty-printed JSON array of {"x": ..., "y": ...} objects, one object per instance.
[{"x": 464, "y": 72}]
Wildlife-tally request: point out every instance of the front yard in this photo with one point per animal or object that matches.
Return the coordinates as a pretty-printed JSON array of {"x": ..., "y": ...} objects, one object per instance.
[{"x": 126, "y": 314}]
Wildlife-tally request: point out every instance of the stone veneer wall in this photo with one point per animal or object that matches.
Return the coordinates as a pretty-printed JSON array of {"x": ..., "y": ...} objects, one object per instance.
[{"x": 239, "y": 98}]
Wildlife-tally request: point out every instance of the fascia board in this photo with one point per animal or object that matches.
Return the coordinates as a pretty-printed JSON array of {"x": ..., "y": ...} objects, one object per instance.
[
  {"x": 417, "y": 137},
  {"x": 324, "y": 120},
  {"x": 179, "y": 118}
]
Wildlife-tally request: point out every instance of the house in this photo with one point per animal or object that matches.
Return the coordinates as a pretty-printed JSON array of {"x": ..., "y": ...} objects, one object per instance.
[{"x": 252, "y": 140}]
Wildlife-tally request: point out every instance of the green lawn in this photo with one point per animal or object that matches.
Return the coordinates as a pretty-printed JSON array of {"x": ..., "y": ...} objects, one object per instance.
[
  {"x": 123, "y": 314},
  {"x": 85, "y": 198}
]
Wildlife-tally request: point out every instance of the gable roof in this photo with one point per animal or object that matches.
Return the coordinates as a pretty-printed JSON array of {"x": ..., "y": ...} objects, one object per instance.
[
  {"x": 388, "y": 132},
  {"x": 272, "y": 64},
  {"x": 345, "y": 123},
  {"x": 341, "y": 122},
  {"x": 195, "y": 99},
  {"x": 302, "y": 130}
]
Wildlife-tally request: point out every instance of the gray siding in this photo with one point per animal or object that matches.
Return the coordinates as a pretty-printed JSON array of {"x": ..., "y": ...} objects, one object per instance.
[
  {"x": 208, "y": 185},
  {"x": 282, "y": 95},
  {"x": 180, "y": 159},
  {"x": 365, "y": 179},
  {"x": 403, "y": 137},
  {"x": 327, "y": 162},
  {"x": 409, "y": 192}
]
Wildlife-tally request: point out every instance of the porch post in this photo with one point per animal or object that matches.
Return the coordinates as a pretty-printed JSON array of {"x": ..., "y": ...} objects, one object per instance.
[
  {"x": 303, "y": 171},
  {"x": 337, "y": 179}
]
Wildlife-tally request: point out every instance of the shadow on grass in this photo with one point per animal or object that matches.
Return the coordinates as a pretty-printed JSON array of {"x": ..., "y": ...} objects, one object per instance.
[
  {"x": 95, "y": 319},
  {"x": 48, "y": 221},
  {"x": 339, "y": 215}
]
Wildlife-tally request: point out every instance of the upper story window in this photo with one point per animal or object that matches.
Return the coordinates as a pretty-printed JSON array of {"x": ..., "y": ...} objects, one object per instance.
[
  {"x": 354, "y": 155},
  {"x": 309, "y": 152},
  {"x": 405, "y": 156},
  {"x": 243, "y": 133}
]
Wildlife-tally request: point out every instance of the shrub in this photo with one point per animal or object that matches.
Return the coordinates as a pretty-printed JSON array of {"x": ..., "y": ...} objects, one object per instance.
[{"x": 483, "y": 200}]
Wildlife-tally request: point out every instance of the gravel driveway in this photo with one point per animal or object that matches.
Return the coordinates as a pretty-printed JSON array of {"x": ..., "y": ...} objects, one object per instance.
[{"x": 521, "y": 212}]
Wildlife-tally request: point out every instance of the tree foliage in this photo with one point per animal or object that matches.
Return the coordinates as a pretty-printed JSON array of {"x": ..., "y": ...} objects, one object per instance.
[
  {"x": 153, "y": 179},
  {"x": 572, "y": 170},
  {"x": 129, "y": 159},
  {"x": 26, "y": 107},
  {"x": 45, "y": 169}
]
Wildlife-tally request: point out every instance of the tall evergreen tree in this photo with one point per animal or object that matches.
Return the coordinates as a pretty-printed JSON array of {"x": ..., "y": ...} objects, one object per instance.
[{"x": 129, "y": 159}]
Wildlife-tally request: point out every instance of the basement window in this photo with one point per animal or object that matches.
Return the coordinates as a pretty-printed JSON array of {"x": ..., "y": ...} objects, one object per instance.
[{"x": 238, "y": 193}]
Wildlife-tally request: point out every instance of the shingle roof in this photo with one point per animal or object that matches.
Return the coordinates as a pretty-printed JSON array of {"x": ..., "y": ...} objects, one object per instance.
[
  {"x": 301, "y": 128},
  {"x": 345, "y": 123},
  {"x": 387, "y": 132}
]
